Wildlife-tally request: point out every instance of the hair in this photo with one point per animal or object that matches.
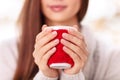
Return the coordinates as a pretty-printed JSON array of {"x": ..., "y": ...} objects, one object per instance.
[{"x": 31, "y": 20}]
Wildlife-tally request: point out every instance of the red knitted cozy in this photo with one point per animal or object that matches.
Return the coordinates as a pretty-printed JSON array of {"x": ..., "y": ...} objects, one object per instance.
[{"x": 60, "y": 60}]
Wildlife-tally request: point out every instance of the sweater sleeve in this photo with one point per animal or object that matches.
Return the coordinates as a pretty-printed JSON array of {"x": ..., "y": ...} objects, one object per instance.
[
  {"x": 41, "y": 76},
  {"x": 78, "y": 76},
  {"x": 106, "y": 61},
  {"x": 113, "y": 69},
  {"x": 7, "y": 60}
]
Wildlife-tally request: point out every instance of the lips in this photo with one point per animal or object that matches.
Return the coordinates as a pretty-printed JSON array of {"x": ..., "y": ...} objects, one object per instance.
[{"x": 57, "y": 8}]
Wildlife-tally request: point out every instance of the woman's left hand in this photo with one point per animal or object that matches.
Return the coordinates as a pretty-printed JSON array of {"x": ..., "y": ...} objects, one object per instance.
[{"x": 75, "y": 47}]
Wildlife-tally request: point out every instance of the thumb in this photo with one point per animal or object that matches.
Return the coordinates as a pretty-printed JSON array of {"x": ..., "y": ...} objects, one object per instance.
[{"x": 44, "y": 26}]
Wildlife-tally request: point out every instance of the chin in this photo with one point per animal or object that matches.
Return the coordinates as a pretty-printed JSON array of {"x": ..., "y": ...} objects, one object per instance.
[{"x": 59, "y": 19}]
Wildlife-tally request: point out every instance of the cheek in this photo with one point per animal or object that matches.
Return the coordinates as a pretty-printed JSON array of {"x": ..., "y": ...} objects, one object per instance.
[
  {"x": 74, "y": 7},
  {"x": 44, "y": 6}
]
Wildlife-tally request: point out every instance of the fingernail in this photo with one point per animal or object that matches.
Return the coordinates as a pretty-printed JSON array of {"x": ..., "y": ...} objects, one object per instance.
[
  {"x": 54, "y": 49},
  {"x": 54, "y": 32},
  {"x": 48, "y": 30},
  {"x": 62, "y": 41},
  {"x": 64, "y": 47},
  {"x": 64, "y": 34},
  {"x": 56, "y": 40}
]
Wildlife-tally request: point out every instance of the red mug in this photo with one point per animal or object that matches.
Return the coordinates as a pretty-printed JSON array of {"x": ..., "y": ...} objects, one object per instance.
[{"x": 60, "y": 60}]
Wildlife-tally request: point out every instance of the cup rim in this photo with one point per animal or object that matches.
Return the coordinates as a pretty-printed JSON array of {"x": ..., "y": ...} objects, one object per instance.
[{"x": 60, "y": 27}]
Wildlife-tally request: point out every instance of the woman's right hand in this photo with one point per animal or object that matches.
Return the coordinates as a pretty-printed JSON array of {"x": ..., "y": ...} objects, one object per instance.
[{"x": 44, "y": 48}]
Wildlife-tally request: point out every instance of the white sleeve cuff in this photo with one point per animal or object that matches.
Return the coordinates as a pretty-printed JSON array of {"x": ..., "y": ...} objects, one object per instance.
[
  {"x": 41, "y": 76},
  {"x": 78, "y": 76}
]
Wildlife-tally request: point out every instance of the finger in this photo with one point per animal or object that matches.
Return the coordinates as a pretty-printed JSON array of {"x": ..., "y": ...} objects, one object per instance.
[
  {"x": 47, "y": 47},
  {"x": 72, "y": 46},
  {"x": 48, "y": 55},
  {"x": 43, "y": 41},
  {"x": 43, "y": 33},
  {"x": 45, "y": 57},
  {"x": 74, "y": 39},
  {"x": 81, "y": 53},
  {"x": 71, "y": 54},
  {"x": 77, "y": 59},
  {"x": 76, "y": 33},
  {"x": 44, "y": 26},
  {"x": 34, "y": 54}
]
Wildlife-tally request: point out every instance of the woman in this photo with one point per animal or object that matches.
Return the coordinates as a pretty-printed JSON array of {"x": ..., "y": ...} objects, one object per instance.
[{"x": 26, "y": 58}]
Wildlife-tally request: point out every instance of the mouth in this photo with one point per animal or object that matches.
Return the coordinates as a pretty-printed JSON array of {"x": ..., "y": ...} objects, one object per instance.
[{"x": 57, "y": 8}]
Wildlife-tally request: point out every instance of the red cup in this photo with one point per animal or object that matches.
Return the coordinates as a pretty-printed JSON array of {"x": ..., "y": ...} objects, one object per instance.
[{"x": 60, "y": 60}]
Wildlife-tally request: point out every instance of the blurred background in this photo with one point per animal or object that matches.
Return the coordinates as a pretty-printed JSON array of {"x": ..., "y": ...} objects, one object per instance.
[{"x": 103, "y": 17}]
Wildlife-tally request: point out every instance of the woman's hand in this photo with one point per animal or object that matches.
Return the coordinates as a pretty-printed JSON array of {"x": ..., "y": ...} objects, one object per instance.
[
  {"x": 44, "y": 48},
  {"x": 75, "y": 47}
]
